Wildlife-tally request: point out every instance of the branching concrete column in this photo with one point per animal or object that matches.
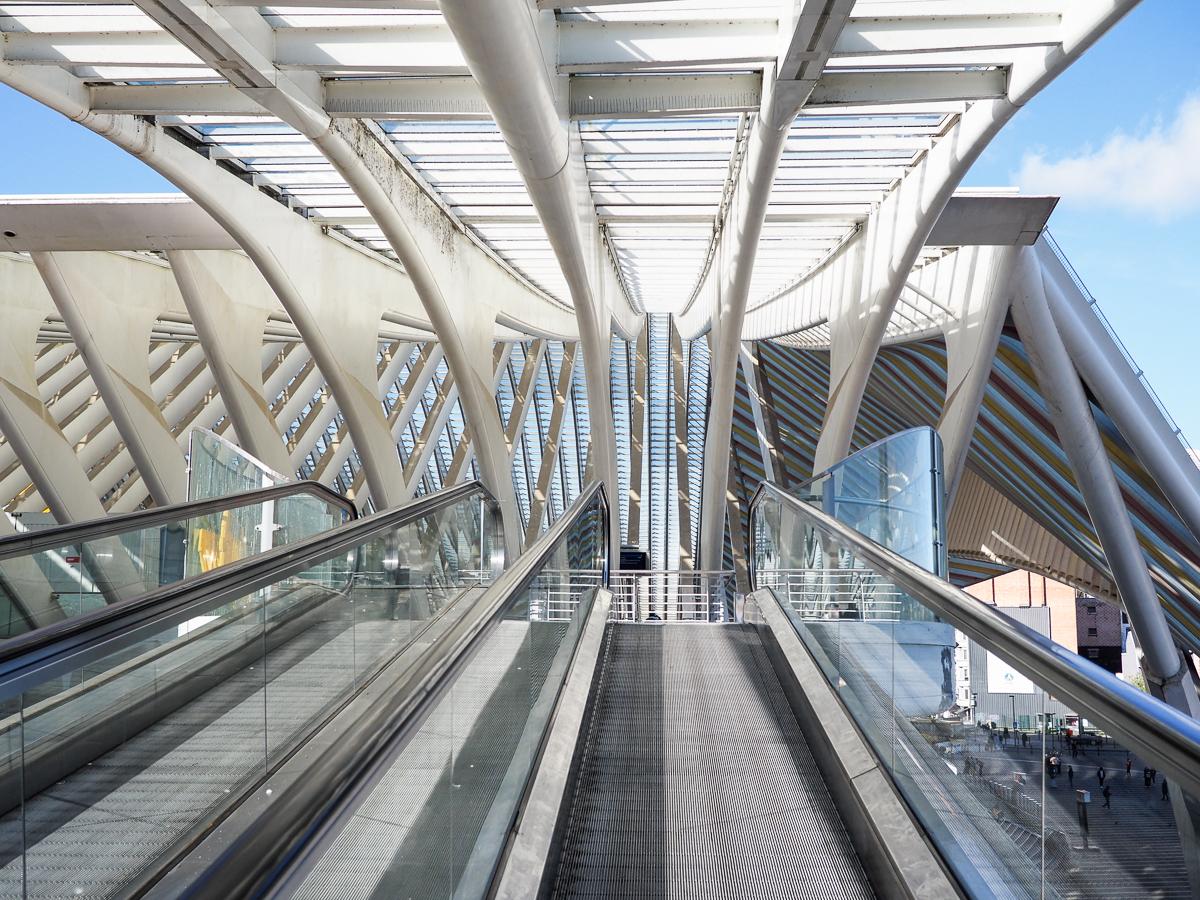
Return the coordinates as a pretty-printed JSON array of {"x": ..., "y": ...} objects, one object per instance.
[
  {"x": 734, "y": 267},
  {"x": 1167, "y": 673},
  {"x": 897, "y": 229},
  {"x": 224, "y": 295},
  {"x": 978, "y": 289},
  {"x": 110, "y": 313}
]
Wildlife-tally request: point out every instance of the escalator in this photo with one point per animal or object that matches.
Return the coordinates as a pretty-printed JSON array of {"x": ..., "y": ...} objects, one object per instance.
[
  {"x": 527, "y": 738},
  {"x": 695, "y": 778},
  {"x": 130, "y": 731},
  {"x": 555, "y": 747}
]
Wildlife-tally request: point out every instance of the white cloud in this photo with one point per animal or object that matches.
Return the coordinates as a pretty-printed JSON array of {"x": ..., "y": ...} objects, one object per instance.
[{"x": 1154, "y": 173}]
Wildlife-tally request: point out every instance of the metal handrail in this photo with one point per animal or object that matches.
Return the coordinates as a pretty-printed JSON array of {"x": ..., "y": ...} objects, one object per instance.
[
  {"x": 1144, "y": 723},
  {"x": 29, "y": 542},
  {"x": 34, "y": 656}
]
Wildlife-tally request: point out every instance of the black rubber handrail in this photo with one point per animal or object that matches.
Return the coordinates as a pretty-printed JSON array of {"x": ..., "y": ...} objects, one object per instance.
[
  {"x": 64, "y": 646},
  {"x": 30, "y": 542},
  {"x": 1147, "y": 725}
]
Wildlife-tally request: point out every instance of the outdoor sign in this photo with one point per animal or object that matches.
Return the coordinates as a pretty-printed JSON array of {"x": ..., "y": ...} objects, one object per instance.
[{"x": 1004, "y": 679}]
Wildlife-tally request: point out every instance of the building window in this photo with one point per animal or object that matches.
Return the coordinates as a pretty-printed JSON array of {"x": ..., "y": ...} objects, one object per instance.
[
  {"x": 1091, "y": 632},
  {"x": 1091, "y": 610},
  {"x": 1093, "y": 652}
]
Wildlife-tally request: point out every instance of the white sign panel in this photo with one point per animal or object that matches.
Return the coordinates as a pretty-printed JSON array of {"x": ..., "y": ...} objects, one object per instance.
[{"x": 1004, "y": 679}]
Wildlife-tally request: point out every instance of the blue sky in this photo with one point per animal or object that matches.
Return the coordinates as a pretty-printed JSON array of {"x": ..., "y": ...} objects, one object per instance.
[
  {"x": 1128, "y": 97},
  {"x": 1140, "y": 266}
]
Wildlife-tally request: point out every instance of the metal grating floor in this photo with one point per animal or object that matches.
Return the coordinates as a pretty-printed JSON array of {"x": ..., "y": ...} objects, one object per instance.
[{"x": 695, "y": 780}]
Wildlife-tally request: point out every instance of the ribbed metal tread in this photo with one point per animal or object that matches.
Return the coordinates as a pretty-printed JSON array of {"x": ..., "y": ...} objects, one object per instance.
[{"x": 695, "y": 780}]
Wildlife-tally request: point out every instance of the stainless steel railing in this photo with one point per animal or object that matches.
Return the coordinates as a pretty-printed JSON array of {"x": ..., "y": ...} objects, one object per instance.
[{"x": 836, "y": 593}]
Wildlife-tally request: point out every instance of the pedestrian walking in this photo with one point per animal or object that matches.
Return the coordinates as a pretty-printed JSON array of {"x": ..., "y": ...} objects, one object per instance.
[
  {"x": 1153, "y": 775},
  {"x": 1071, "y": 775},
  {"x": 1100, "y": 774},
  {"x": 1107, "y": 797},
  {"x": 1164, "y": 789},
  {"x": 1146, "y": 776},
  {"x": 1128, "y": 766}
]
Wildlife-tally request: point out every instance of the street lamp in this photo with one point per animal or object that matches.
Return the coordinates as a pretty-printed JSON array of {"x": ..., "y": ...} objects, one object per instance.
[{"x": 1013, "y": 698}]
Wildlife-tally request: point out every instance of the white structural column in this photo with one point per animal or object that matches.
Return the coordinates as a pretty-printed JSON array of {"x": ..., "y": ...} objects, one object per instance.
[
  {"x": 541, "y": 492},
  {"x": 224, "y": 295},
  {"x": 881, "y": 256},
  {"x": 311, "y": 274},
  {"x": 47, "y": 457},
  {"x": 1119, "y": 390},
  {"x": 1167, "y": 672},
  {"x": 462, "y": 289},
  {"x": 511, "y": 49},
  {"x": 110, "y": 306},
  {"x": 979, "y": 288},
  {"x": 806, "y": 41}
]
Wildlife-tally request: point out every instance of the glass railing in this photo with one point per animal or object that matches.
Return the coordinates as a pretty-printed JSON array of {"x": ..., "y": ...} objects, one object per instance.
[
  {"x": 437, "y": 821},
  {"x": 64, "y": 572},
  {"x": 891, "y": 492},
  {"x": 217, "y": 467},
  {"x": 1013, "y": 813},
  {"x": 128, "y": 732}
]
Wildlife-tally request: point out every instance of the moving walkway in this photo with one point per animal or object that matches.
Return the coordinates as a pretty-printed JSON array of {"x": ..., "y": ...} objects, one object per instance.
[{"x": 527, "y": 738}]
